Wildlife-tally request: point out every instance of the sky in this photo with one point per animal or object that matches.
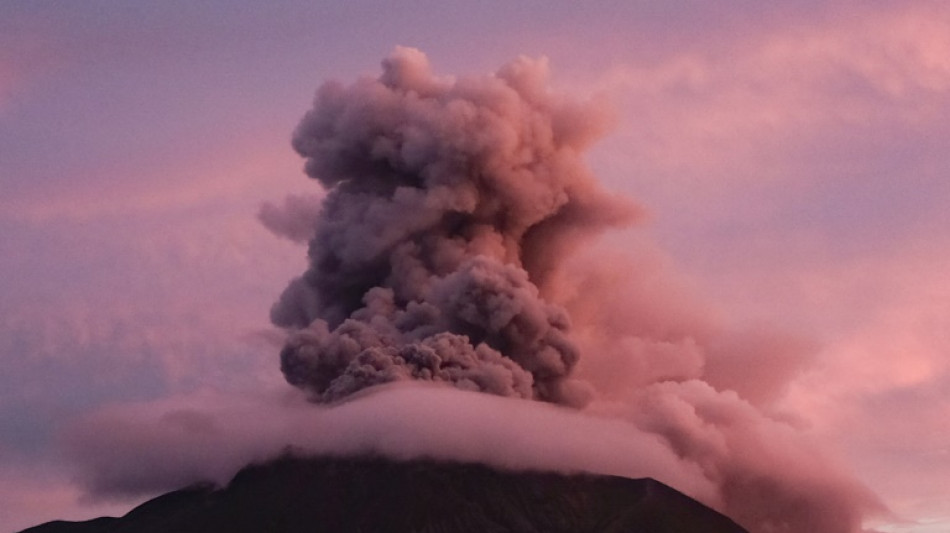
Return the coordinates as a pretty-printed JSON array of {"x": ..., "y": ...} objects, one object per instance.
[{"x": 787, "y": 159}]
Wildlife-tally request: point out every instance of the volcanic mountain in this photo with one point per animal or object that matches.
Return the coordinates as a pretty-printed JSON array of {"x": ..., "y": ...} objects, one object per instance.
[
  {"x": 444, "y": 255},
  {"x": 368, "y": 494}
]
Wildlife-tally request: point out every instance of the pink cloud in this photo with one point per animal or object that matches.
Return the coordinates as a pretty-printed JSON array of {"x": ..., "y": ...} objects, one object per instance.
[
  {"x": 639, "y": 320},
  {"x": 771, "y": 476},
  {"x": 747, "y": 100},
  {"x": 146, "y": 448},
  {"x": 799, "y": 170},
  {"x": 889, "y": 316},
  {"x": 876, "y": 389},
  {"x": 634, "y": 318},
  {"x": 712, "y": 446}
]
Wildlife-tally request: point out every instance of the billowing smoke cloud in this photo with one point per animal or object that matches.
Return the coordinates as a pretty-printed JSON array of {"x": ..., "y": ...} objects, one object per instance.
[
  {"x": 295, "y": 219},
  {"x": 452, "y": 208},
  {"x": 449, "y": 204},
  {"x": 441, "y": 254}
]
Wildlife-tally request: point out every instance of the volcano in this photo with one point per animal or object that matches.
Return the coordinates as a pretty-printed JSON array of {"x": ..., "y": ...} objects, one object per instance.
[{"x": 370, "y": 494}]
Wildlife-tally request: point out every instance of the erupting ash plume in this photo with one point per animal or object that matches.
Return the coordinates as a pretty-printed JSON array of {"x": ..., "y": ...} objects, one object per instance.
[
  {"x": 449, "y": 203},
  {"x": 439, "y": 254}
]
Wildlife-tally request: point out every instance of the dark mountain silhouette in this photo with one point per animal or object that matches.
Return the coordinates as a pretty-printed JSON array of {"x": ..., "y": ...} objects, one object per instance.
[{"x": 334, "y": 495}]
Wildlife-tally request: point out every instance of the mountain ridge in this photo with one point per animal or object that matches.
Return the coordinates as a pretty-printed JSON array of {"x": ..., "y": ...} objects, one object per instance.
[{"x": 366, "y": 494}]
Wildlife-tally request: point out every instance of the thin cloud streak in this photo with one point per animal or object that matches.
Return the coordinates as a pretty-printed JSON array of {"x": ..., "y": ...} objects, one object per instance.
[{"x": 206, "y": 437}]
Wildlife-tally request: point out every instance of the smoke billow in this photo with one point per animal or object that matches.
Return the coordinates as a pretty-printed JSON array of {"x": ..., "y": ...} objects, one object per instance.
[
  {"x": 440, "y": 253},
  {"x": 449, "y": 203},
  {"x": 294, "y": 220}
]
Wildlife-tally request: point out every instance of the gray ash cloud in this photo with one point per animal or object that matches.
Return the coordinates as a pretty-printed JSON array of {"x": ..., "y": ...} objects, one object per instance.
[{"x": 450, "y": 203}]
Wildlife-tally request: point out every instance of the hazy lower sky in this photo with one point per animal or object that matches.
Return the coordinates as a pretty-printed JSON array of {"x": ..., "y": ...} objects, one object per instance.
[{"x": 792, "y": 157}]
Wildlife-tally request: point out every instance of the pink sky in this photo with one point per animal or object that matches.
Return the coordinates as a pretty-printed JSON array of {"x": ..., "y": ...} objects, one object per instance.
[{"x": 792, "y": 161}]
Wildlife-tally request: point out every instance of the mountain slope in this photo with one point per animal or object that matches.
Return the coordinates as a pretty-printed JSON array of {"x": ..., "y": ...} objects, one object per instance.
[{"x": 332, "y": 495}]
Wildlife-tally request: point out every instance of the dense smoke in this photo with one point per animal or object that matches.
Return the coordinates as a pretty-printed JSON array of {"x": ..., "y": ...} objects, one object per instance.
[
  {"x": 441, "y": 252},
  {"x": 449, "y": 203}
]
